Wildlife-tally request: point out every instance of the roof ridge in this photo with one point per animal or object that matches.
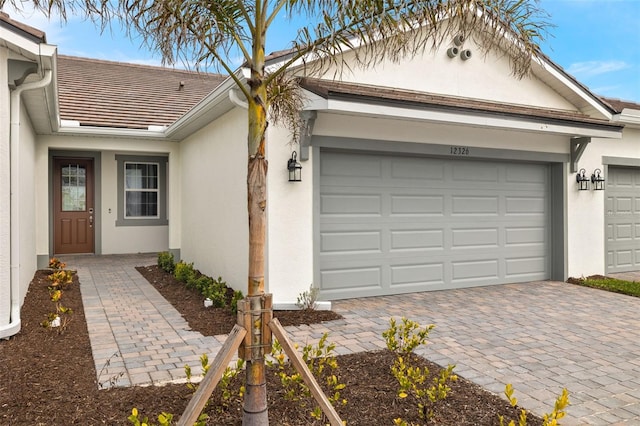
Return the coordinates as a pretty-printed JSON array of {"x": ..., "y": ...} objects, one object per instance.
[{"x": 144, "y": 66}]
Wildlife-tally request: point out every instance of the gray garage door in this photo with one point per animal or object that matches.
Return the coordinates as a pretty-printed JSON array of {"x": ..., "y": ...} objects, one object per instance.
[
  {"x": 623, "y": 219},
  {"x": 404, "y": 224}
]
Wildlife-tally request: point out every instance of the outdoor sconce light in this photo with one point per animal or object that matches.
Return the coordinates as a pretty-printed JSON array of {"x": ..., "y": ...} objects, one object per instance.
[
  {"x": 583, "y": 180},
  {"x": 597, "y": 180},
  {"x": 295, "y": 168}
]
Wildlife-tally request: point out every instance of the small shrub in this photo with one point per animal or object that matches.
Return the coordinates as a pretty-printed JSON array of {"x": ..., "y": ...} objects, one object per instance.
[
  {"x": 184, "y": 272},
  {"x": 55, "y": 263},
  {"x": 216, "y": 292},
  {"x": 61, "y": 278},
  {"x": 164, "y": 419},
  {"x": 166, "y": 262},
  {"x": 321, "y": 362},
  {"x": 199, "y": 282},
  {"x": 549, "y": 419},
  {"x": 307, "y": 299},
  {"x": 405, "y": 338},
  {"x": 237, "y": 295}
]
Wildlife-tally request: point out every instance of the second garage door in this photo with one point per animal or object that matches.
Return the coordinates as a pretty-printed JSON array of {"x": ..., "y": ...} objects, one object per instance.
[
  {"x": 394, "y": 224},
  {"x": 623, "y": 219}
]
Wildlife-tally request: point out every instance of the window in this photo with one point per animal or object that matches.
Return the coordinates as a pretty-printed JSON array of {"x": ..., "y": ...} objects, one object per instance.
[
  {"x": 73, "y": 188},
  {"x": 142, "y": 190}
]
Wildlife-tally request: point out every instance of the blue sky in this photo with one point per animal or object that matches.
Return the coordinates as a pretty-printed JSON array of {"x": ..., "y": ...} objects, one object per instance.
[{"x": 596, "y": 41}]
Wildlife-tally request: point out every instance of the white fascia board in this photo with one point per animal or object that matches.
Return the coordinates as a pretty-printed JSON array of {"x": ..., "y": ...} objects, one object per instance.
[
  {"x": 629, "y": 117},
  {"x": 588, "y": 97},
  {"x": 468, "y": 119},
  {"x": 71, "y": 129},
  {"x": 26, "y": 48},
  {"x": 208, "y": 109}
]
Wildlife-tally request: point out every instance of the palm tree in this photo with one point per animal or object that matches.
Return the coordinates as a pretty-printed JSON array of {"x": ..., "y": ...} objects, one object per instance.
[{"x": 213, "y": 32}]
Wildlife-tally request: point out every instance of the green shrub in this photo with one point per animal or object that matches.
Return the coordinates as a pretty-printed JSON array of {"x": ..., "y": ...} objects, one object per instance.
[
  {"x": 402, "y": 340},
  {"x": 216, "y": 291},
  {"x": 549, "y": 419},
  {"x": 237, "y": 295},
  {"x": 184, "y": 272},
  {"x": 166, "y": 262},
  {"x": 322, "y": 363},
  {"x": 307, "y": 299},
  {"x": 199, "y": 282}
]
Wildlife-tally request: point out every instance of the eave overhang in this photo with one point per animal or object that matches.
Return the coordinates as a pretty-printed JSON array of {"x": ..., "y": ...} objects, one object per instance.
[{"x": 348, "y": 98}]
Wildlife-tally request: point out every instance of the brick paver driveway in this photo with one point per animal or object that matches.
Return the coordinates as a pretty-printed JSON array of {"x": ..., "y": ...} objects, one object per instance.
[{"x": 540, "y": 337}]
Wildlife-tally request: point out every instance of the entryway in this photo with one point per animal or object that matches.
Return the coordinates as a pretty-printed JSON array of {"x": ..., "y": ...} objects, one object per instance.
[{"x": 73, "y": 205}]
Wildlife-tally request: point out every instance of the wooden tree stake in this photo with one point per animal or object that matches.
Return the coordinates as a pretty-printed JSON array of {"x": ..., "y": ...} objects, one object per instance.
[{"x": 210, "y": 381}]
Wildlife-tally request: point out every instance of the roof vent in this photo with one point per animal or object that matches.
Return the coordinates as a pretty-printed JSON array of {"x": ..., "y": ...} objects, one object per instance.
[{"x": 181, "y": 86}]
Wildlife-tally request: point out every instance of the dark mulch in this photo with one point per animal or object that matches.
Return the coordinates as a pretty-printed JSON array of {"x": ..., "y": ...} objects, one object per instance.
[{"x": 48, "y": 378}]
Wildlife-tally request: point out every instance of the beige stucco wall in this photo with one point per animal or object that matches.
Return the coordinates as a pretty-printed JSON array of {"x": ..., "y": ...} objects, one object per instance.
[
  {"x": 586, "y": 209},
  {"x": 26, "y": 204},
  {"x": 214, "y": 221},
  {"x": 5, "y": 289},
  {"x": 290, "y": 226},
  {"x": 114, "y": 239},
  {"x": 483, "y": 77}
]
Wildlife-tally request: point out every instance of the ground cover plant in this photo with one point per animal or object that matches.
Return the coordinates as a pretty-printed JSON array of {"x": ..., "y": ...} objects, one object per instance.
[
  {"x": 630, "y": 288},
  {"x": 48, "y": 378}
]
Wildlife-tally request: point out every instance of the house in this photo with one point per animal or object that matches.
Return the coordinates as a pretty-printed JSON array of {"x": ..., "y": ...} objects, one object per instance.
[{"x": 432, "y": 174}]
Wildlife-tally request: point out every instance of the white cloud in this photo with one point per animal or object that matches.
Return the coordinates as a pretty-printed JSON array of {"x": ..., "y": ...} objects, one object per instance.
[{"x": 593, "y": 68}]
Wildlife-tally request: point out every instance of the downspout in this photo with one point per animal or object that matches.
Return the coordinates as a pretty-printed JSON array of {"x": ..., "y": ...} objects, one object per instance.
[{"x": 14, "y": 323}]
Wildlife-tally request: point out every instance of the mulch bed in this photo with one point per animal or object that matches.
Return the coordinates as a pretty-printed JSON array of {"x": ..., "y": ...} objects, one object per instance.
[{"x": 47, "y": 376}]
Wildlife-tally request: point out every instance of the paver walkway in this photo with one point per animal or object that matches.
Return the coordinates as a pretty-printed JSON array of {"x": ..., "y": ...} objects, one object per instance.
[{"x": 540, "y": 336}]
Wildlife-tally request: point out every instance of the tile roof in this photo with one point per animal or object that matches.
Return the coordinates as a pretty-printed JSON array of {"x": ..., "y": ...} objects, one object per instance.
[
  {"x": 408, "y": 98},
  {"x": 23, "y": 29},
  {"x": 121, "y": 95},
  {"x": 618, "y": 105}
]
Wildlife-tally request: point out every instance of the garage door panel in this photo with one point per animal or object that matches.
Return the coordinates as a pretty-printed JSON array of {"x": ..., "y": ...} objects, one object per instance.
[
  {"x": 417, "y": 205},
  {"x": 475, "y": 238},
  {"x": 526, "y": 205},
  {"x": 416, "y": 239},
  {"x": 350, "y": 204},
  {"x": 474, "y": 270},
  {"x": 350, "y": 166},
  {"x": 525, "y": 175},
  {"x": 417, "y": 275},
  {"x": 526, "y": 267},
  {"x": 413, "y": 169},
  {"x": 356, "y": 278},
  {"x": 351, "y": 242},
  {"x": 462, "y": 223},
  {"x": 622, "y": 219},
  {"x": 474, "y": 205},
  {"x": 525, "y": 236},
  {"x": 465, "y": 173}
]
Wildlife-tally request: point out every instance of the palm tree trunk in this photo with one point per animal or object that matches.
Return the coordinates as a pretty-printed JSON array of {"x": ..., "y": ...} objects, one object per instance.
[{"x": 255, "y": 401}]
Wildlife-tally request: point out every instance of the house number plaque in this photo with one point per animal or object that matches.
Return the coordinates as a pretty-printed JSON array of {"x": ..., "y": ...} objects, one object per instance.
[{"x": 459, "y": 150}]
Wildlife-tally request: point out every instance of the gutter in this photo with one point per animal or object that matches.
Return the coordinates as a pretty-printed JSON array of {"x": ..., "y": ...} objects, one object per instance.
[{"x": 14, "y": 322}]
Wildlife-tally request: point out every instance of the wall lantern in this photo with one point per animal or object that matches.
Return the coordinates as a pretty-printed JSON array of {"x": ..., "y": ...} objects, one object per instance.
[
  {"x": 295, "y": 168},
  {"x": 597, "y": 180},
  {"x": 583, "y": 180}
]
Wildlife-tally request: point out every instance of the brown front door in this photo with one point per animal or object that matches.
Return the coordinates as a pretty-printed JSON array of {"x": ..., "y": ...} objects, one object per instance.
[{"x": 73, "y": 214}]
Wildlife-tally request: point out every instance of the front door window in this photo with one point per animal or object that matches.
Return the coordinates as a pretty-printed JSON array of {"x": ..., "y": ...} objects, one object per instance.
[{"x": 74, "y": 188}]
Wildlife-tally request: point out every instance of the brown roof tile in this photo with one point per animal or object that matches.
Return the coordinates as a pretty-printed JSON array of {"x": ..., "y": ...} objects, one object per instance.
[
  {"x": 618, "y": 104},
  {"x": 22, "y": 29},
  {"x": 327, "y": 89},
  {"x": 121, "y": 95}
]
